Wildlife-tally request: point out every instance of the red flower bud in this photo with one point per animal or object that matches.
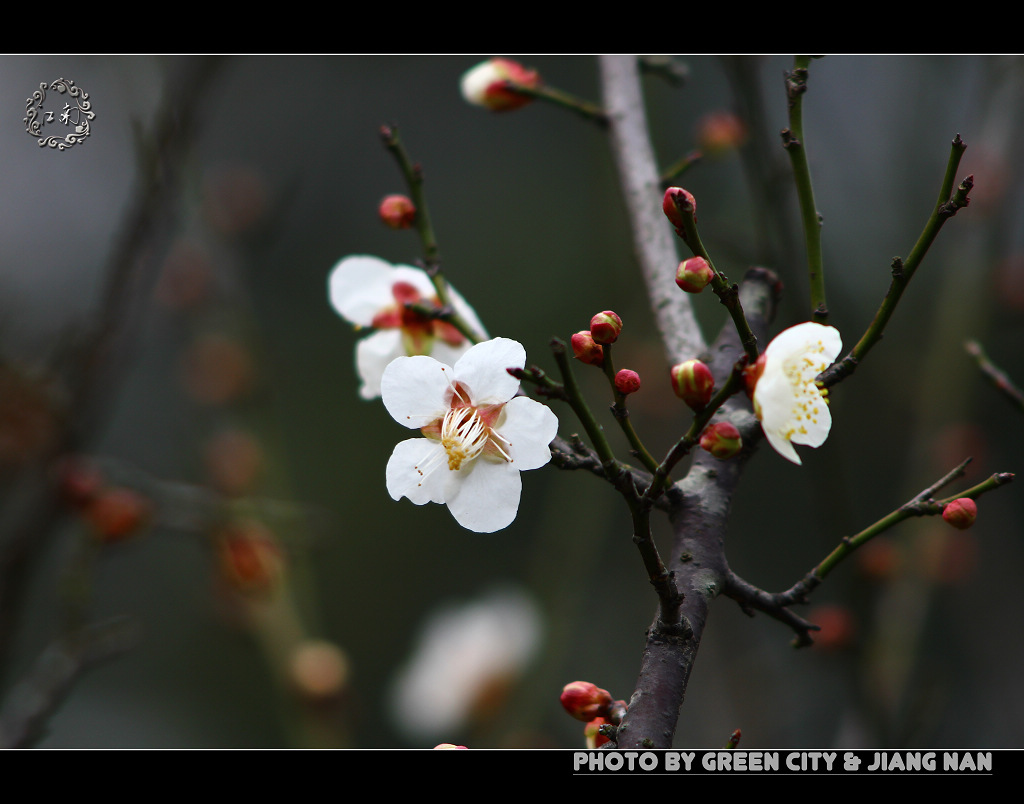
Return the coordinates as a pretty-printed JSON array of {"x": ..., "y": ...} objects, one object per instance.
[
  {"x": 605, "y": 327},
  {"x": 694, "y": 274},
  {"x": 591, "y": 734},
  {"x": 117, "y": 513},
  {"x": 693, "y": 383},
  {"x": 586, "y": 349},
  {"x": 676, "y": 203},
  {"x": 492, "y": 84},
  {"x": 961, "y": 513},
  {"x": 397, "y": 211},
  {"x": 627, "y": 382},
  {"x": 722, "y": 440},
  {"x": 585, "y": 701}
]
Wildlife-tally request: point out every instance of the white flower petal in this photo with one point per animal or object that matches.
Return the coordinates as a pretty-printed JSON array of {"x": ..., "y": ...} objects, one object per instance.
[
  {"x": 787, "y": 400},
  {"x": 418, "y": 469},
  {"x": 487, "y": 497},
  {"x": 373, "y": 354},
  {"x": 414, "y": 390},
  {"x": 529, "y": 427},
  {"x": 483, "y": 370},
  {"x": 359, "y": 287}
]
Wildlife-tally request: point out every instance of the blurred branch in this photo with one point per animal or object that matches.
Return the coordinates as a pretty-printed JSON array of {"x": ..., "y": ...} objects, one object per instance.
[
  {"x": 996, "y": 376},
  {"x": 652, "y": 236}
]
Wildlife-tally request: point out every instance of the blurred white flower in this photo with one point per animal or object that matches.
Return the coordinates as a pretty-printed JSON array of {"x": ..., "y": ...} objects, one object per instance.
[
  {"x": 479, "y": 434},
  {"x": 790, "y": 405},
  {"x": 466, "y": 657},
  {"x": 369, "y": 292}
]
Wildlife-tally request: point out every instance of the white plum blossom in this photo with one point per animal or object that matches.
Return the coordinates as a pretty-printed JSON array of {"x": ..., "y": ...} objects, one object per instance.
[
  {"x": 467, "y": 656},
  {"x": 790, "y": 405},
  {"x": 369, "y": 292},
  {"x": 479, "y": 434}
]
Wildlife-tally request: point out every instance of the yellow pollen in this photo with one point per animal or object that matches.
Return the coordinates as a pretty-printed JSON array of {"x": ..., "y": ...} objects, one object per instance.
[{"x": 463, "y": 436}]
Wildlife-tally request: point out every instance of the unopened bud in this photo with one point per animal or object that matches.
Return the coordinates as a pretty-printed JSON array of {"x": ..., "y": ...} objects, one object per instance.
[
  {"x": 251, "y": 559},
  {"x": 751, "y": 374},
  {"x": 586, "y": 349},
  {"x": 397, "y": 211},
  {"x": 693, "y": 383},
  {"x": 961, "y": 513},
  {"x": 449, "y": 746},
  {"x": 694, "y": 274},
  {"x": 585, "y": 701},
  {"x": 676, "y": 203},
  {"x": 117, "y": 513},
  {"x": 722, "y": 440},
  {"x": 605, "y": 327},
  {"x": 592, "y": 734},
  {"x": 627, "y": 382},
  {"x": 492, "y": 84}
]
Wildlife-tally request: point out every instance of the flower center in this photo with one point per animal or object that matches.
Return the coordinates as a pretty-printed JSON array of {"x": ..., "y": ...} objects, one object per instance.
[{"x": 463, "y": 435}]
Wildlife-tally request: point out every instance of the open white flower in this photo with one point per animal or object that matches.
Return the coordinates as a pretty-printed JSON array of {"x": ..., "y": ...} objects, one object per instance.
[
  {"x": 791, "y": 407},
  {"x": 479, "y": 434},
  {"x": 370, "y": 292}
]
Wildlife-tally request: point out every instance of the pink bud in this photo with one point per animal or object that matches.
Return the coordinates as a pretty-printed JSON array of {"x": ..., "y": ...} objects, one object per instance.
[
  {"x": 605, "y": 327},
  {"x": 449, "y": 746},
  {"x": 492, "y": 84},
  {"x": 586, "y": 349},
  {"x": 722, "y": 440},
  {"x": 961, "y": 513},
  {"x": 676, "y": 202},
  {"x": 693, "y": 383},
  {"x": 694, "y": 274},
  {"x": 585, "y": 701},
  {"x": 397, "y": 211},
  {"x": 591, "y": 734},
  {"x": 627, "y": 382},
  {"x": 720, "y": 132}
]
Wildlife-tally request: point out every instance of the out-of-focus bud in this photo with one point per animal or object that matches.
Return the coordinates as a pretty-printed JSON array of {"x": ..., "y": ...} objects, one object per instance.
[
  {"x": 693, "y": 383},
  {"x": 694, "y": 274},
  {"x": 837, "y": 627},
  {"x": 722, "y": 440},
  {"x": 585, "y": 701},
  {"x": 319, "y": 669},
  {"x": 676, "y": 203},
  {"x": 397, "y": 211},
  {"x": 605, "y": 327},
  {"x": 720, "y": 132},
  {"x": 79, "y": 480},
  {"x": 627, "y": 382},
  {"x": 117, "y": 513},
  {"x": 586, "y": 349},
  {"x": 251, "y": 559},
  {"x": 492, "y": 84},
  {"x": 594, "y": 737},
  {"x": 961, "y": 513},
  {"x": 449, "y": 746}
]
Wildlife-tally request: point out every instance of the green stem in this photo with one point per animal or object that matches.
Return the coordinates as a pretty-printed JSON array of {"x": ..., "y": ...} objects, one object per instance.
[
  {"x": 579, "y": 406},
  {"x": 621, "y": 414},
  {"x": 563, "y": 100},
  {"x": 729, "y": 295},
  {"x": 999, "y": 378},
  {"x": 903, "y": 270},
  {"x": 793, "y": 142}
]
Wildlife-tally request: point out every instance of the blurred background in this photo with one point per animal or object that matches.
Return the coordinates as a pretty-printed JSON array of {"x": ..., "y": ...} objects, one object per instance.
[{"x": 260, "y": 587}]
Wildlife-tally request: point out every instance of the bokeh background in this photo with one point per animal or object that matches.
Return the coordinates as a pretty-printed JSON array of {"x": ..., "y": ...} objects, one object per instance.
[{"x": 240, "y": 410}]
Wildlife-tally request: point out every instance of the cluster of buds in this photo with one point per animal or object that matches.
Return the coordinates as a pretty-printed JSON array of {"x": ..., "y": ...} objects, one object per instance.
[
  {"x": 397, "y": 211},
  {"x": 594, "y": 706},
  {"x": 588, "y": 344},
  {"x": 493, "y": 84},
  {"x": 113, "y": 513},
  {"x": 961, "y": 513}
]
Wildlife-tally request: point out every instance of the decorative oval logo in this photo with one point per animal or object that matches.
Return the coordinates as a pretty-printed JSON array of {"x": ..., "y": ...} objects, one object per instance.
[{"x": 75, "y": 115}]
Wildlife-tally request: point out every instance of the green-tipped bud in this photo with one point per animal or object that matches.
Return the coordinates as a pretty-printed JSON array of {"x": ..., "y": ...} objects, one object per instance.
[
  {"x": 694, "y": 274},
  {"x": 586, "y": 349},
  {"x": 693, "y": 383},
  {"x": 722, "y": 440},
  {"x": 605, "y": 327}
]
